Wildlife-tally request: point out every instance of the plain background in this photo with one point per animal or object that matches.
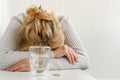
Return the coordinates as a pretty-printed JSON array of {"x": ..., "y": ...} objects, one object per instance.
[{"x": 96, "y": 21}]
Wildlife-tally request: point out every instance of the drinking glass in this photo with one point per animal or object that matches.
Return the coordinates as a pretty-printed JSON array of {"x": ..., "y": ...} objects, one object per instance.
[{"x": 39, "y": 60}]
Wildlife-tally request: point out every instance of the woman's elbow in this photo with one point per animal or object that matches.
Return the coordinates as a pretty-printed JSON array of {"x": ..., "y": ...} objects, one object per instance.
[
  {"x": 85, "y": 66},
  {"x": 84, "y": 63}
]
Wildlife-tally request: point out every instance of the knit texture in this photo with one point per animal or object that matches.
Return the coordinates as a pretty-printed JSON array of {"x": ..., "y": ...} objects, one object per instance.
[{"x": 10, "y": 42}]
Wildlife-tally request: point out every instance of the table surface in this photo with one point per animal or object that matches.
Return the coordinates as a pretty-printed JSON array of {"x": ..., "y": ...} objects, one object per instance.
[{"x": 75, "y": 74}]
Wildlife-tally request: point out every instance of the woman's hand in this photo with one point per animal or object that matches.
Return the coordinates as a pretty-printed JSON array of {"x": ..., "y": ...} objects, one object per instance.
[
  {"x": 68, "y": 52},
  {"x": 21, "y": 66},
  {"x": 24, "y": 66}
]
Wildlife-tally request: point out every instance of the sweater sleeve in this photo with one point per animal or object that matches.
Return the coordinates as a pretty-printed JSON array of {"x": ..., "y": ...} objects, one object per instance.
[
  {"x": 72, "y": 40},
  {"x": 9, "y": 43}
]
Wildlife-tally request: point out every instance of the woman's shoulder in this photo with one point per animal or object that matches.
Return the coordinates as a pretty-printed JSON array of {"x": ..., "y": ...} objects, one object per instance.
[
  {"x": 61, "y": 17},
  {"x": 19, "y": 17}
]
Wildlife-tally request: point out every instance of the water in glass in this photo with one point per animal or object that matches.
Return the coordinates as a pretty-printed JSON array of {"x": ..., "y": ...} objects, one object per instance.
[{"x": 39, "y": 60}]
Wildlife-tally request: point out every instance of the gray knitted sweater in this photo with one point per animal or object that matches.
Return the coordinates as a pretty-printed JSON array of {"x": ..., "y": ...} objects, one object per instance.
[{"x": 9, "y": 44}]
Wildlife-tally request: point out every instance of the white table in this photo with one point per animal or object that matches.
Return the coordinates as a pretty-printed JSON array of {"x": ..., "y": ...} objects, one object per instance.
[{"x": 76, "y": 74}]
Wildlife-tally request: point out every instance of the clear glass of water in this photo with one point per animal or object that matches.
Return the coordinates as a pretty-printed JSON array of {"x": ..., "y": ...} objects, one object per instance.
[{"x": 39, "y": 60}]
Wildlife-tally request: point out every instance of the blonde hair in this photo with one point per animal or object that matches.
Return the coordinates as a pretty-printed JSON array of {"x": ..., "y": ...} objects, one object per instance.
[{"x": 41, "y": 28}]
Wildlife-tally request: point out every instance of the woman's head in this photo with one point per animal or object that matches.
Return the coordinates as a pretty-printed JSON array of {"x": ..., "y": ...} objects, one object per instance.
[{"x": 42, "y": 29}]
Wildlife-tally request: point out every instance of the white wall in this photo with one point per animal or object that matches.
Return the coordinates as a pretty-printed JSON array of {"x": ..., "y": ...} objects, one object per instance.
[
  {"x": 17, "y": 6},
  {"x": 1, "y": 17},
  {"x": 4, "y": 16},
  {"x": 98, "y": 24}
]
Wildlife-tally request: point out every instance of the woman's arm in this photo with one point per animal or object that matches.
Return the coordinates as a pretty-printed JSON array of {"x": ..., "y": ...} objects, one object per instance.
[
  {"x": 73, "y": 41},
  {"x": 9, "y": 43}
]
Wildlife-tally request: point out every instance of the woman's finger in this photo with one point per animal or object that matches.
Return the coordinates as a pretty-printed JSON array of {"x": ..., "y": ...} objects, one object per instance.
[
  {"x": 18, "y": 65},
  {"x": 74, "y": 54},
  {"x": 15, "y": 67},
  {"x": 68, "y": 54},
  {"x": 72, "y": 57},
  {"x": 69, "y": 58},
  {"x": 24, "y": 69}
]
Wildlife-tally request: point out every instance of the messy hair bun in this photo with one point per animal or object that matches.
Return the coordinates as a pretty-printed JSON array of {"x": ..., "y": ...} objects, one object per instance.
[
  {"x": 41, "y": 28},
  {"x": 39, "y": 13}
]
